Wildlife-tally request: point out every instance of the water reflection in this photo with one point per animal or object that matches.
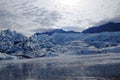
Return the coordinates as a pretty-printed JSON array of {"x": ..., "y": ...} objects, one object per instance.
[{"x": 59, "y": 71}]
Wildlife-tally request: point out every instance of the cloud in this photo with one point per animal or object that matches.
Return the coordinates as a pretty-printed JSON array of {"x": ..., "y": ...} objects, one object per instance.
[
  {"x": 30, "y": 16},
  {"x": 72, "y": 28},
  {"x": 48, "y": 18}
]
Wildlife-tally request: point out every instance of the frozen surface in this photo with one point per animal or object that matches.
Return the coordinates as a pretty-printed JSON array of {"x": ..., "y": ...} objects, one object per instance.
[
  {"x": 64, "y": 67},
  {"x": 4, "y": 56},
  {"x": 57, "y": 42}
]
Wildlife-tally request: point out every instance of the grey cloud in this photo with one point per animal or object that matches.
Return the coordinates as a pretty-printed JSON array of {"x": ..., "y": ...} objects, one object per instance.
[
  {"x": 40, "y": 15},
  {"x": 47, "y": 18},
  {"x": 41, "y": 30},
  {"x": 4, "y": 24},
  {"x": 5, "y": 14}
]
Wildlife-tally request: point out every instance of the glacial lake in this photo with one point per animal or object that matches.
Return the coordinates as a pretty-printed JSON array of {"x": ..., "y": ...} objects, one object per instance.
[{"x": 93, "y": 67}]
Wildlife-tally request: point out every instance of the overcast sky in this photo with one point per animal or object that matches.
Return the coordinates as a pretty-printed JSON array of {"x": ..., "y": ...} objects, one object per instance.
[{"x": 30, "y": 16}]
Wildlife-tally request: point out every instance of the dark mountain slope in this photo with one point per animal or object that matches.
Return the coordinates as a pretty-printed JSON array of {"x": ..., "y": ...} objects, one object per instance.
[{"x": 109, "y": 27}]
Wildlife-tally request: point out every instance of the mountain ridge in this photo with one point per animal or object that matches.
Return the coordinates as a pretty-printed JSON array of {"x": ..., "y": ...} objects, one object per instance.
[
  {"x": 108, "y": 27},
  {"x": 56, "y": 31},
  {"x": 55, "y": 43}
]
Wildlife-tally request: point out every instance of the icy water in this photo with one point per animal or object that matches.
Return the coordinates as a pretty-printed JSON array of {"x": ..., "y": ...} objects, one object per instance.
[{"x": 96, "y": 67}]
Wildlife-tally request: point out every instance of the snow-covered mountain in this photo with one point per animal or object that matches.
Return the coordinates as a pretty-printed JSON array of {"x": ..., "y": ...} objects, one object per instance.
[
  {"x": 11, "y": 42},
  {"x": 56, "y": 43},
  {"x": 4, "y": 56}
]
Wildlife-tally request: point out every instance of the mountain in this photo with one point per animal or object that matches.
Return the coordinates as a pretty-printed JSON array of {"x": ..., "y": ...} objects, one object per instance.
[
  {"x": 109, "y": 27},
  {"x": 57, "y": 36},
  {"x": 13, "y": 43},
  {"x": 58, "y": 42},
  {"x": 57, "y": 31},
  {"x": 61, "y": 42}
]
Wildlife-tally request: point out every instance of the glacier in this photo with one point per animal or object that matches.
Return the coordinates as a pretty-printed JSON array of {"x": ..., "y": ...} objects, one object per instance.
[{"x": 56, "y": 43}]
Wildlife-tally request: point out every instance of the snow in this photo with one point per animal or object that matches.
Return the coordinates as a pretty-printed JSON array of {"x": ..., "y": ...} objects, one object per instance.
[
  {"x": 58, "y": 43},
  {"x": 4, "y": 56}
]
